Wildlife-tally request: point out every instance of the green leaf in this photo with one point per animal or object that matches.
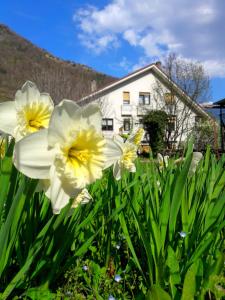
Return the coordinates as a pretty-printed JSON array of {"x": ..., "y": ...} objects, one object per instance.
[
  {"x": 40, "y": 293},
  {"x": 189, "y": 287},
  {"x": 6, "y": 168},
  {"x": 174, "y": 269},
  {"x": 157, "y": 293},
  {"x": 180, "y": 181}
]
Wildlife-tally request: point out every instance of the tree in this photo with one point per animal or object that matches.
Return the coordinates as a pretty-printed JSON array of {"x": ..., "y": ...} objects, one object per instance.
[
  {"x": 204, "y": 135},
  {"x": 190, "y": 76}
]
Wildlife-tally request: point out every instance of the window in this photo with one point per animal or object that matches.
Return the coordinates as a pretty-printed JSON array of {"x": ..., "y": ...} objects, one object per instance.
[
  {"x": 144, "y": 98},
  {"x": 169, "y": 99},
  {"x": 126, "y": 125},
  {"x": 172, "y": 123},
  {"x": 107, "y": 124},
  {"x": 126, "y": 97}
]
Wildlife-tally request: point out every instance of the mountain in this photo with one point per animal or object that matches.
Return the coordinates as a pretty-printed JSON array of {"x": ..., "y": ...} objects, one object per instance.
[{"x": 20, "y": 60}]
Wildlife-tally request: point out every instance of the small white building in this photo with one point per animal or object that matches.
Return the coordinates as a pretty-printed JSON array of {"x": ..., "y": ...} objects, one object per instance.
[{"x": 125, "y": 102}]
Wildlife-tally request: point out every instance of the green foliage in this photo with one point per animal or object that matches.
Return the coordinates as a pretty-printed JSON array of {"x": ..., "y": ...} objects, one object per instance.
[
  {"x": 155, "y": 124},
  {"x": 96, "y": 282},
  {"x": 161, "y": 230}
]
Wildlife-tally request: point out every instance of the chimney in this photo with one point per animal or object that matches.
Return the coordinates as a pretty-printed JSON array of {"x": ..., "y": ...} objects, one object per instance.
[
  {"x": 93, "y": 86},
  {"x": 158, "y": 64}
]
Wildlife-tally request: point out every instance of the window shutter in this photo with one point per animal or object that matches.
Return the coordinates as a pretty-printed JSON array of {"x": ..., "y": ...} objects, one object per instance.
[{"x": 126, "y": 96}]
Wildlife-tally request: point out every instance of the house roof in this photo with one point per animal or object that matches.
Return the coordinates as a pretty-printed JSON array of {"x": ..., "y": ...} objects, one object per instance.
[
  {"x": 161, "y": 74},
  {"x": 220, "y": 102}
]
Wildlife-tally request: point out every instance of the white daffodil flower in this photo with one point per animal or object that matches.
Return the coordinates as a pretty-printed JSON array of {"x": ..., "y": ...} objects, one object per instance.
[
  {"x": 197, "y": 156},
  {"x": 71, "y": 153},
  {"x": 30, "y": 112},
  {"x": 136, "y": 137},
  {"x": 83, "y": 198},
  {"x": 162, "y": 160},
  {"x": 123, "y": 157}
]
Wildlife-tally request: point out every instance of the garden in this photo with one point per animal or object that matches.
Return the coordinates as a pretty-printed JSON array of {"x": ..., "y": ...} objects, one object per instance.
[{"x": 82, "y": 217}]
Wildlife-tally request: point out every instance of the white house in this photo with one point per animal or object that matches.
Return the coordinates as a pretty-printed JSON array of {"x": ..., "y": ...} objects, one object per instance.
[{"x": 126, "y": 101}]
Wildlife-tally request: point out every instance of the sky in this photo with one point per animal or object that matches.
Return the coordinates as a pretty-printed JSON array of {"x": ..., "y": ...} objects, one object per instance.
[{"x": 118, "y": 36}]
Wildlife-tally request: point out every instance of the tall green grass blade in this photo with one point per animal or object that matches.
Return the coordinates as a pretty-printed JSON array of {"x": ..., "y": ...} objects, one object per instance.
[
  {"x": 157, "y": 293},
  {"x": 178, "y": 194},
  {"x": 190, "y": 288}
]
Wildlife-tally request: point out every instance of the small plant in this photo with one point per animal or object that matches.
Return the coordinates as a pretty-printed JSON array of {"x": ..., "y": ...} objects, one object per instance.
[{"x": 88, "y": 280}]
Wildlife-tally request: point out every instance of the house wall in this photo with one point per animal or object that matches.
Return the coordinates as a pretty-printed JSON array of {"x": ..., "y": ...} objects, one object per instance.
[{"x": 113, "y": 108}]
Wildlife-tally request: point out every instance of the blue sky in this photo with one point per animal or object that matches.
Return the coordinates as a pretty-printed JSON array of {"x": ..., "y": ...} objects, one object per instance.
[{"x": 118, "y": 36}]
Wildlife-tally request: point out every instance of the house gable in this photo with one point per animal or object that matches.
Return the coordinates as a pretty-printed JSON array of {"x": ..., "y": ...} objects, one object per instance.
[{"x": 160, "y": 75}]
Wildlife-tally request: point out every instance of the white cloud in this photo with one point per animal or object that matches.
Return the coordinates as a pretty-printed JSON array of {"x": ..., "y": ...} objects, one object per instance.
[
  {"x": 125, "y": 64},
  {"x": 101, "y": 44},
  {"x": 215, "y": 68},
  {"x": 131, "y": 37},
  {"x": 192, "y": 28}
]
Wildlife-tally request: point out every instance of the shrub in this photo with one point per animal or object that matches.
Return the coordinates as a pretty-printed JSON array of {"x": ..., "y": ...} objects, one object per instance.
[{"x": 155, "y": 124}]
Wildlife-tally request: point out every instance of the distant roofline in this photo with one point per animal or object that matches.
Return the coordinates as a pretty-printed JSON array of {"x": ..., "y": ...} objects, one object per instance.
[
  {"x": 220, "y": 102},
  {"x": 163, "y": 75}
]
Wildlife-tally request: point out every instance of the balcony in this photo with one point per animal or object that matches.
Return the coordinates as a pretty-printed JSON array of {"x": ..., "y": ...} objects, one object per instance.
[{"x": 126, "y": 110}]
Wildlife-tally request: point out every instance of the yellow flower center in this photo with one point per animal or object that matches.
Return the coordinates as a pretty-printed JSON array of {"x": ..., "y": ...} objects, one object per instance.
[
  {"x": 33, "y": 117},
  {"x": 81, "y": 160},
  {"x": 78, "y": 155}
]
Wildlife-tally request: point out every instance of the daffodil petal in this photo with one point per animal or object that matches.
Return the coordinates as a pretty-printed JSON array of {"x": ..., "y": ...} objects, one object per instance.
[
  {"x": 117, "y": 171},
  {"x": 117, "y": 138},
  {"x": 46, "y": 99},
  {"x": 62, "y": 118},
  {"x": 29, "y": 92},
  {"x": 57, "y": 195},
  {"x": 113, "y": 152},
  {"x": 197, "y": 156},
  {"x": 159, "y": 157},
  {"x": 8, "y": 117},
  {"x": 136, "y": 136},
  {"x": 82, "y": 198},
  {"x": 92, "y": 114},
  {"x": 132, "y": 168},
  {"x": 32, "y": 157}
]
